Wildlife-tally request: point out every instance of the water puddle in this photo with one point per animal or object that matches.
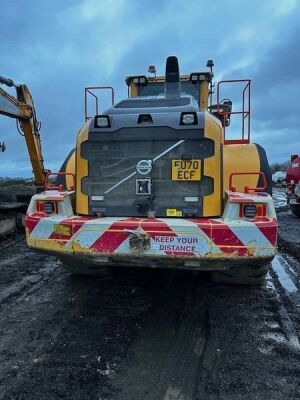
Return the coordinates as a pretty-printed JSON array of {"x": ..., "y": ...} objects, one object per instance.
[
  {"x": 276, "y": 337},
  {"x": 269, "y": 282},
  {"x": 280, "y": 267},
  {"x": 279, "y": 197}
]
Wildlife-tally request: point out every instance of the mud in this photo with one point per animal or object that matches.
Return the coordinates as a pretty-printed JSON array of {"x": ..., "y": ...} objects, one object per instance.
[
  {"x": 10, "y": 190},
  {"x": 138, "y": 334},
  {"x": 141, "y": 334},
  {"x": 289, "y": 233}
]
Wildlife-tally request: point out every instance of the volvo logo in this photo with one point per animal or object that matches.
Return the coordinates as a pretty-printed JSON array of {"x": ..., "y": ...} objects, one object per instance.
[{"x": 144, "y": 167}]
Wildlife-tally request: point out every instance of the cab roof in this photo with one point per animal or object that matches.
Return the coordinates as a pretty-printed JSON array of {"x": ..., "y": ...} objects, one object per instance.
[{"x": 171, "y": 102}]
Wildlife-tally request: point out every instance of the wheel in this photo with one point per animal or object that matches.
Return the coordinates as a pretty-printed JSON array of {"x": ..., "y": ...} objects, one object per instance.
[
  {"x": 243, "y": 275},
  {"x": 296, "y": 210}
]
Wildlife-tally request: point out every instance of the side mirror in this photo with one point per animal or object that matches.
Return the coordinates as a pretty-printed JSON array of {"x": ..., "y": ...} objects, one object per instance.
[
  {"x": 293, "y": 157},
  {"x": 222, "y": 111}
]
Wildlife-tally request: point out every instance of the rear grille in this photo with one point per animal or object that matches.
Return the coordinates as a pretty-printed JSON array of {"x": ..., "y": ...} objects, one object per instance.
[{"x": 113, "y": 157}]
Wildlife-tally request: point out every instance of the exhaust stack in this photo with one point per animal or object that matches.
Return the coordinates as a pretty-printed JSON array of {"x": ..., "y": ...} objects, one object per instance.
[{"x": 172, "y": 78}]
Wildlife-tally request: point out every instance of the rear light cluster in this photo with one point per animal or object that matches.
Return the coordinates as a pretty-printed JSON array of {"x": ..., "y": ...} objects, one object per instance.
[
  {"x": 47, "y": 207},
  {"x": 253, "y": 210},
  {"x": 249, "y": 210}
]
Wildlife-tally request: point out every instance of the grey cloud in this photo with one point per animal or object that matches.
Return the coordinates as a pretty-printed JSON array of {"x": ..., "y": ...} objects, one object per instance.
[{"x": 57, "y": 51}]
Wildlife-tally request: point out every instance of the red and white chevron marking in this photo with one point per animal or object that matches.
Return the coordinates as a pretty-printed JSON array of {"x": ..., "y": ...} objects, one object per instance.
[{"x": 169, "y": 236}]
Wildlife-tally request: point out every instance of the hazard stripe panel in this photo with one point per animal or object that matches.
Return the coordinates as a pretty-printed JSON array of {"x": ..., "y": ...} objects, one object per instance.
[{"x": 168, "y": 236}]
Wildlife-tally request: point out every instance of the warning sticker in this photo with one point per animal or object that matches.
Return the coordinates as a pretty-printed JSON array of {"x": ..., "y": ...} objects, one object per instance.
[
  {"x": 62, "y": 229},
  {"x": 172, "y": 212},
  {"x": 178, "y": 244}
]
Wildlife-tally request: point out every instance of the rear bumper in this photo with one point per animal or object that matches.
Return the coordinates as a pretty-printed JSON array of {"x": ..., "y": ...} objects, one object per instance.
[
  {"x": 94, "y": 262},
  {"x": 199, "y": 244}
]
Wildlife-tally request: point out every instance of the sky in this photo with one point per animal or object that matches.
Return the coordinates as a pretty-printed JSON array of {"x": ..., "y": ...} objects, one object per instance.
[{"x": 59, "y": 47}]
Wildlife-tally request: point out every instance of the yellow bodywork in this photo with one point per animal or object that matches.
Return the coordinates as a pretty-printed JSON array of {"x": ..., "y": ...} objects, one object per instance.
[
  {"x": 241, "y": 158},
  {"x": 81, "y": 171},
  {"x": 212, "y": 166}
]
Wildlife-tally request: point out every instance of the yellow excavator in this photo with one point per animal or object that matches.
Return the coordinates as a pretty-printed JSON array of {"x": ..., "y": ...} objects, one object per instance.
[{"x": 21, "y": 108}]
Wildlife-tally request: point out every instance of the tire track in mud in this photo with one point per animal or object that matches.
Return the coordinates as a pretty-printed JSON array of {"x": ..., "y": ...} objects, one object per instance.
[
  {"x": 286, "y": 288},
  {"x": 63, "y": 337},
  {"x": 143, "y": 334},
  {"x": 169, "y": 351}
]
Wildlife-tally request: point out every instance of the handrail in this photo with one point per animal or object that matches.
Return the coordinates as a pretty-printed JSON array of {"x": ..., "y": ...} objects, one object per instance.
[
  {"x": 248, "y": 189},
  {"x": 245, "y": 113},
  {"x": 88, "y": 90},
  {"x": 59, "y": 187}
]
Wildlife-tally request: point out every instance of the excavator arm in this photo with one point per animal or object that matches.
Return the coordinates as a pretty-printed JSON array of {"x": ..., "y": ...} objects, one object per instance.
[{"x": 22, "y": 109}]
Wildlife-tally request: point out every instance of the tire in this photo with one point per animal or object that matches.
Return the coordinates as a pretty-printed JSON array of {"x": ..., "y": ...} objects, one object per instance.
[
  {"x": 296, "y": 211},
  {"x": 243, "y": 275}
]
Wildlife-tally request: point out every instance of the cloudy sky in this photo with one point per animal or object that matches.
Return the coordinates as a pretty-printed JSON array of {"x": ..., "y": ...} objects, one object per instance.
[{"x": 58, "y": 47}]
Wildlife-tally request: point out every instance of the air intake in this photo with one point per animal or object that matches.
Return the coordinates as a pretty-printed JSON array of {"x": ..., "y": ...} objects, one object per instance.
[{"x": 172, "y": 80}]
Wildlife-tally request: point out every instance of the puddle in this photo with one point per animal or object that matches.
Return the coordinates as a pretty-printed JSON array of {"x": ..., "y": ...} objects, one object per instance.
[
  {"x": 279, "y": 197},
  {"x": 277, "y": 337},
  {"x": 269, "y": 282},
  {"x": 279, "y": 266},
  {"x": 274, "y": 325}
]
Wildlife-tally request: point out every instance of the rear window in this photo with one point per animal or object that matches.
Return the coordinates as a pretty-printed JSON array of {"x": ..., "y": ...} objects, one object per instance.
[
  {"x": 155, "y": 88},
  {"x": 150, "y": 103}
]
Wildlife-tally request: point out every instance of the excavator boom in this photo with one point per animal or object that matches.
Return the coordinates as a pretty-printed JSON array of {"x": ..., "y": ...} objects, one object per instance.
[{"x": 22, "y": 109}]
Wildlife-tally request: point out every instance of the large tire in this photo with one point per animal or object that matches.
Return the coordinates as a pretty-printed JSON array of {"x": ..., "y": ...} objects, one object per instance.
[
  {"x": 243, "y": 275},
  {"x": 296, "y": 210}
]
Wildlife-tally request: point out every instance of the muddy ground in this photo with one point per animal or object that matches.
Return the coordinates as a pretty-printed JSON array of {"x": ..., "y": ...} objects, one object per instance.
[{"x": 140, "y": 334}]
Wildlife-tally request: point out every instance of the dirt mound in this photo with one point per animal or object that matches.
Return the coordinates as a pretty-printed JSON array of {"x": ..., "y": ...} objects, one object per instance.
[{"x": 11, "y": 189}]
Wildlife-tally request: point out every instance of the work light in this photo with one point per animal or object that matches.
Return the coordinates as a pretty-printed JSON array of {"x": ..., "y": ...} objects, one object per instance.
[
  {"x": 102, "y": 121},
  {"x": 188, "y": 118},
  {"x": 196, "y": 77}
]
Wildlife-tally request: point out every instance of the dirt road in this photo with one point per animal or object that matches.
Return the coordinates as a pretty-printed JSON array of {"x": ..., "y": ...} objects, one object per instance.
[{"x": 138, "y": 334}]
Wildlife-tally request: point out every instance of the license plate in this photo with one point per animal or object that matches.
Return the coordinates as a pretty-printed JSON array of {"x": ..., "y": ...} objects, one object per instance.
[{"x": 186, "y": 170}]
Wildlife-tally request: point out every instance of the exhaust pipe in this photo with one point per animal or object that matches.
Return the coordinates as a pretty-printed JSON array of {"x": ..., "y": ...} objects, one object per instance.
[{"x": 172, "y": 77}]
